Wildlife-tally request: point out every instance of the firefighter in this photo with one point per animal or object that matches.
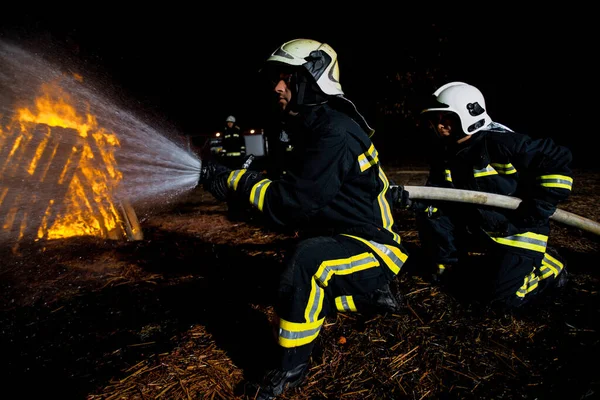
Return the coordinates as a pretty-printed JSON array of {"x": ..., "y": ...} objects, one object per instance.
[
  {"x": 234, "y": 147},
  {"x": 500, "y": 256},
  {"x": 335, "y": 193}
]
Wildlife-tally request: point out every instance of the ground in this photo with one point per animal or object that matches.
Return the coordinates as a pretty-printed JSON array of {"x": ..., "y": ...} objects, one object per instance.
[{"x": 186, "y": 313}]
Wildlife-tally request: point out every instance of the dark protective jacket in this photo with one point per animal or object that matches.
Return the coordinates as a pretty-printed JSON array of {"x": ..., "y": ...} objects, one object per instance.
[
  {"x": 498, "y": 160},
  {"x": 233, "y": 142},
  {"x": 333, "y": 181}
]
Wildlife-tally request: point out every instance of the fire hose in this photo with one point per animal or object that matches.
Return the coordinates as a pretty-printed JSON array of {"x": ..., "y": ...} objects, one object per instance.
[{"x": 496, "y": 200}]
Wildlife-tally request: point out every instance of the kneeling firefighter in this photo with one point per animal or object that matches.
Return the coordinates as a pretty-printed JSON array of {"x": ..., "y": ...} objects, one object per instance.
[
  {"x": 495, "y": 255},
  {"x": 333, "y": 191}
]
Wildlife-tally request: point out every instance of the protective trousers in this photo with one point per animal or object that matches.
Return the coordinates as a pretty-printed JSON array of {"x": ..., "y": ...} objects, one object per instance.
[
  {"x": 325, "y": 275},
  {"x": 504, "y": 269}
]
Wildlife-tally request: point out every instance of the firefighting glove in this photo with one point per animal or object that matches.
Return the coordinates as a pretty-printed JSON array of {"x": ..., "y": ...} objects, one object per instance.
[
  {"x": 400, "y": 197},
  {"x": 531, "y": 214},
  {"x": 213, "y": 178}
]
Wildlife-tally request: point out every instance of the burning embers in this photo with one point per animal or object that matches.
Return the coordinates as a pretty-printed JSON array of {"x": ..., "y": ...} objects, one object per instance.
[{"x": 58, "y": 173}]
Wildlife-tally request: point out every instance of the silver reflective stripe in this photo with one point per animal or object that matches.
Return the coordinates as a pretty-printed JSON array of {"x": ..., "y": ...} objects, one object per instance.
[
  {"x": 384, "y": 249},
  {"x": 234, "y": 177},
  {"x": 505, "y": 169},
  {"x": 298, "y": 335},
  {"x": 256, "y": 192},
  {"x": 344, "y": 303},
  {"x": 554, "y": 263},
  {"x": 530, "y": 283},
  {"x": 484, "y": 172},
  {"x": 448, "y": 175},
  {"x": 558, "y": 181},
  {"x": 315, "y": 306},
  {"x": 330, "y": 270}
]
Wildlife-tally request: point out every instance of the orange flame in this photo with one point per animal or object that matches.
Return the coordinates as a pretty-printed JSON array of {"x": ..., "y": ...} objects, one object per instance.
[{"x": 53, "y": 147}]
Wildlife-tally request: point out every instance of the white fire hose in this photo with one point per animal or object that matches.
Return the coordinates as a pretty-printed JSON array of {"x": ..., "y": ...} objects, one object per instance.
[{"x": 496, "y": 200}]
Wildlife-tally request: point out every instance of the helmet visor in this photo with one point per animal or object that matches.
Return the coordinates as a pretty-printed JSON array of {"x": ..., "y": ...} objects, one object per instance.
[
  {"x": 274, "y": 72},
  {"x": 445, "y": 124}
]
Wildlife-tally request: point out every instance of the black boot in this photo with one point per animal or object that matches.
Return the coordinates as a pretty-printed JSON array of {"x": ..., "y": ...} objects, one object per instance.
[
  {"x": 276, "y": 382},
  {"x": 562, "y": 278},
  {"x": 382, "y": 301}
]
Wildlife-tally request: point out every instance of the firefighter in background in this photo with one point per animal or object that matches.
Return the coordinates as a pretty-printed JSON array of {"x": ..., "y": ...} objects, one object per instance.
[
  {"x": 234, "y": 147},
  {"x": 496, "y": 255},
  {"x": 335, "y": 193}
]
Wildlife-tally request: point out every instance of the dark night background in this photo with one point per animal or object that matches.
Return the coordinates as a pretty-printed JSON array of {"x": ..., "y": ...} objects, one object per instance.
[{"x": 191, "y": 67}]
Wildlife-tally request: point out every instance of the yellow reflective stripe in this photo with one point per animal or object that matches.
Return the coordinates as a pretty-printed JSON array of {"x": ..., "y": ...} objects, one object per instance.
[
  {"x": 294, "y": 334},
  {"x": 430, "y": 210},
  {"x": 504, "y": 169},
  {"x": 345, "y": 303},
  {"x": 552, "y": 264},
  {"x": 487, "y": 171},
  {"x": 527, "y": 240},
  {"x": 556, "y": 181},
  {"x": 236, "y": 153},
  {"x": 546, "y": 271},
  {"x": 391, "y": 256},
  {"x": 384, "y": 206},
  {"x": 368, "y": 159},
  {"x": 257, "y": 194},
  {"x": 234, "y": 178},
  {"x": 315, "y": 301},
  {"x": 326, "y": 271},
  {"x": 448, "y": 175},
  {"x": 344, "y": 266},
  {"x": 530, "y": 282}
]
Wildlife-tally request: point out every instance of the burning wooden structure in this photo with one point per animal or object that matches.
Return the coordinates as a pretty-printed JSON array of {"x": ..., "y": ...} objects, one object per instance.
[{"x": 58, "y": 174}]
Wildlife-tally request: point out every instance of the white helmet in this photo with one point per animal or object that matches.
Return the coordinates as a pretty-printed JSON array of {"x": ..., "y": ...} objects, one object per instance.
[
  {"x": 464, "y": 100},
  {"x": 319, "y": 59},
  {"x": 231, "y": 118}
]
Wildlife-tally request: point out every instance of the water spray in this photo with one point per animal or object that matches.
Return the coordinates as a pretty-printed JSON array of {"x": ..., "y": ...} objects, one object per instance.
[{"x": 73, "y": 162}]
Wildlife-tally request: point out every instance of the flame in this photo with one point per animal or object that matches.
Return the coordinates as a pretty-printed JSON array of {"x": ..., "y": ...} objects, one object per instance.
[{"x": 53, "y": 147}]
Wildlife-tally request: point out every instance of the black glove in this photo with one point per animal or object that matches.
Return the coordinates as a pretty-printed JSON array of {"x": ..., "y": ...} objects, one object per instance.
[
  {"x": 400, "y": 197},
  {"x": 213, "y": 178},
  {"x": 531, "y": 214}
]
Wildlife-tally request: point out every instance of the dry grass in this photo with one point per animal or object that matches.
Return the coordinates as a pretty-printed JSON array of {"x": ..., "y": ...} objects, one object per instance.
[{"x": 194, "y": 307}]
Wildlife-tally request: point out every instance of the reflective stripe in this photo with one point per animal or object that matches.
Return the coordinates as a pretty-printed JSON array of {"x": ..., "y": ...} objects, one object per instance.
[
  {"x": 386, "y": 211},
  {"x": 487, "y": 171},
  {"x": 441, "y": 268},
  {"x": 391, "y": 256},
  {"x": 294, "y": 334},
  {"x": 448, "y": 175},
  {"x": 527, "y": 240},
  {"x": 368, "y": 159},
  {"x": 556, "y": 181},
  {"x": 236, "y": 153},
  {"x": 257, "y": 194},
  {"x": 234, "y": 178},
  {"x": 504, "y": 169},
  {"x": 550, "y": 267},
  {"x": 546, "y": 271},
  {"x": 327, "y": 270},
  {"x": 315, "y": 301},
  {"x": 344, "y": 266},
  {"x": 530, "y": 282},
  {"x": 345, "y": 303},
  {"x": 552, "y": 264}
]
